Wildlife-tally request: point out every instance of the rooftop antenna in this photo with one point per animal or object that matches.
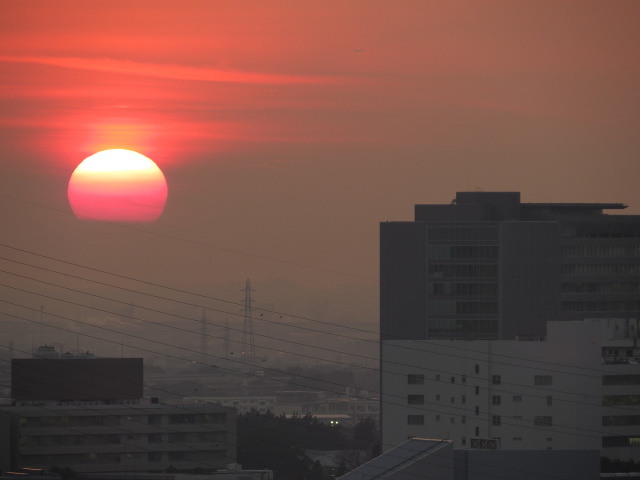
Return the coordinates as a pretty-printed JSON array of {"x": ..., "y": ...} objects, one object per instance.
[{"x": 248, "y": 345}]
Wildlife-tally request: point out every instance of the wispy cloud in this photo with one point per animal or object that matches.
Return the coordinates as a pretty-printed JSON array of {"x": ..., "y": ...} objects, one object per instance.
[{"x": 166, "y": 70}]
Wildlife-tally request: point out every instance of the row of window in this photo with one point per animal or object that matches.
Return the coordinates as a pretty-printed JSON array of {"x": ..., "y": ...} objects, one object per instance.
[
  {"x": 419, "y": 419},
  {"x": 66, "y": 421},
  {"x": 495, "y": 399},
  {"x": 418, "y": 378},
  {"x": 496, "y": 420},
  {"x": 616, "y": 287},
  {"x": 609, "y": 400},
  {"x": 70, "y": 459},
  {"x": 480, "y": 328},
  {"x": 621, "y": 441},
  {"x": 464, "y": 233},
  {"x": 621, "y": 380},
  {"x": 196, "y": 437},
  {"x": 600, "y": 230},
  {"x": 201, "y": 418},
  {"x": 600, "y": 269},
  {"x": 67, "y": 440},
  {"x": 486, "y": 289},
  {"x": 454, "y": 307},
  {"x": 462, "y": 251},
  {"x": 111, "y": 458},
  {"x": 600, "y": 306},
  {"x": 463, "y": 271},
  {"x": 600, "y": 250},
  {"x": 94, "y": 420},
  {"x": 618, "y": 420}
]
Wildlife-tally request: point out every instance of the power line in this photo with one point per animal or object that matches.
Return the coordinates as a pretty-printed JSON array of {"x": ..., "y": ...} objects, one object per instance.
[
  {"x": 264, "y": 336},
  {"x": 242, "y": 305}
]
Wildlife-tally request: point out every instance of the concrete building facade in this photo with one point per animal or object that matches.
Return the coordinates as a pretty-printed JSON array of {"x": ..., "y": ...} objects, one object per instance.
[{"x": 562, "y": 393}]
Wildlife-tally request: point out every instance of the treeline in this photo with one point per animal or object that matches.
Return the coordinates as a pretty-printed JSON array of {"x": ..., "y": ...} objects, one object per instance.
[{"x": 280, "y": 443}]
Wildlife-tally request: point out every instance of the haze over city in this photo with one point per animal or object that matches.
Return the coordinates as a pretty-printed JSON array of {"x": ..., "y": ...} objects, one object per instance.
[{"x": 287, "y": 131}]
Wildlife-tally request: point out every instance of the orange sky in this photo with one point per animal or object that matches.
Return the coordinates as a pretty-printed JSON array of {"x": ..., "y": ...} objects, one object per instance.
[{"x": 289, "y": 129}]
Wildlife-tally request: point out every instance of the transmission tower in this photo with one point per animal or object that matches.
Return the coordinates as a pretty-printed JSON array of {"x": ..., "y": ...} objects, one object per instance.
[{"x": 248, "y": 345}]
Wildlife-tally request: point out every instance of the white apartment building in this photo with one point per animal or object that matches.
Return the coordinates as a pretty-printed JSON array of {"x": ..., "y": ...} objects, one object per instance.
[{"x": 578, "y": 389}]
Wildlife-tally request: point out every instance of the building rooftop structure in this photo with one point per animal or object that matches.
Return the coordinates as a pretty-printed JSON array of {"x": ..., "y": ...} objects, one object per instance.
[{"x": 436, "y": 459}]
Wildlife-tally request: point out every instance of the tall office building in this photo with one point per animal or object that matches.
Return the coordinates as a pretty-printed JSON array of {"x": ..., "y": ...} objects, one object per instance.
[{"x": 487, "y": 266}]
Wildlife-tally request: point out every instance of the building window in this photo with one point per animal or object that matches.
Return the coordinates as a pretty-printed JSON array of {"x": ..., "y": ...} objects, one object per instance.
[
  {"x": 177, "y": 456},
  {"x": 496, "y": 420},
  {"x": 154, "y": 456},
  {"x": 453, "y": 420},
  {"x": 154, "y": 419},
  {"x": 437, "y": 398},
  {"x": 477, "y": 431},
  {"x": 608, "y": 400},
  {"x": 463, "y": 398},
  {"x": 463, "y": 419},
  {"x": 477, "y": 410},
  {"x": 517, "y": 439},
  {"x": 495, "y": 400},
  {"x": 415, "y": 379},
  {"x": 542, "y": 380},
  {"x": 543, "y": 421},
  {"x": 415, "y": 419},
  {"x": 437, "y": 418},
  {"x": 621, "y": 380},
  {"x": 438, "y": 377},
  {"x": 453, "y": 399},
  {"x": 618, "y": 420},
  {"x": 415, "y": 399},
  {"x": 549, "y": 401},
  {"x": 453, "y": 379},
  {"x": 464, "y": 379},
  {"x": 517, "y": 398},
  {"x": 477, "y": 390},
  {"x": 496, "y": 379},
  {"x": 621, "y": 441},
  {"x": 464, "y": 441},
  {"x": 477, "y": 368},
  {"x": 155, "y": 438}
]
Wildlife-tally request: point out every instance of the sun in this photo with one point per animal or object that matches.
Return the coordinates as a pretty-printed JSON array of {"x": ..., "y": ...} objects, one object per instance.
[{"x": 117, "y": 185}]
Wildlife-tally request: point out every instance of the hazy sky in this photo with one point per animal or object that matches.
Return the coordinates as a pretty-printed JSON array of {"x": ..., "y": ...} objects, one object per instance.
[{"x": 287, "y": 130}]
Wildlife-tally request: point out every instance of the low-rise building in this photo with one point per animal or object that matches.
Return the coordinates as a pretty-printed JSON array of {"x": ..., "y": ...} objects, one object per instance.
[
  {"x": 87, "y": 414},
  {"x": 112, "y": 438}
]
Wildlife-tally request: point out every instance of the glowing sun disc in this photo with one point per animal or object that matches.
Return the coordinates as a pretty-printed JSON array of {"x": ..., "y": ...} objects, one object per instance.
[{"x": 117, "y": 185}]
